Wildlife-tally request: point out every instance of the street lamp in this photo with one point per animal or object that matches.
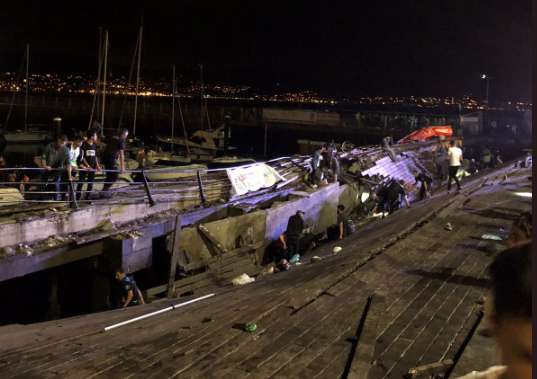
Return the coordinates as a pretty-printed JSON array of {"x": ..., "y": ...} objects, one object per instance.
[{"x": 487, "y": 100}]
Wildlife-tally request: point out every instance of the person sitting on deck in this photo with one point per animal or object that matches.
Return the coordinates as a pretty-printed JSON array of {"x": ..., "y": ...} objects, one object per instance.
[
  {"x": 385, "y": 145},
  {"x": 426, "y": 184},
  {"x": 390, "y": 196},
  {"x": 341, "y": 229},
  {"x": 131, "y": 292},
  {"x": 508, "y": 311}
]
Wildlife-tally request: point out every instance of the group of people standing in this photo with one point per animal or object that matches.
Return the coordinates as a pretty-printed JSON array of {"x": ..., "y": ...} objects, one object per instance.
[
  {"x": 325, "y": 165},
  {"x": 61, "y": 163}
]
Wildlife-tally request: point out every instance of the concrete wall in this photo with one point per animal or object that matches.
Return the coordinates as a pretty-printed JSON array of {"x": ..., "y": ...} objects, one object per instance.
[
  {"x": 267, "y": 225},
  {"x": 320, "y": 209}
]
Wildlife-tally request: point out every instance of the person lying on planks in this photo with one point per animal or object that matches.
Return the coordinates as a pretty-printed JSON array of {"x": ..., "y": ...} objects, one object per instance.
[
  {"x": 508, "y": 311},
  {"x": 131, "y": 292},
  {"x": 426, "y": 184}
]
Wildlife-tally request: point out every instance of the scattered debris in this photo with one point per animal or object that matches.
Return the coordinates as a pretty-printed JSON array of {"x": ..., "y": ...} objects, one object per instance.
[
  {"x": 267, "y": 271},
  {"x": 246, "y": 327},
  {"x": 103, "y": 227},
  {"x": 25, "y": 249},
  {"x": 448, "y": 227},
  {"x": 337, "y": 249},
  {"x": 207, "y": 319},
  {"x": 491, "y": 237},
  {"x": 428, "y": 370},
  {"x": 127, "y": 235},
  {"x": 315, "y": 259},
  {"x": 6, "y": 252},
  {"x": 241, "y": 280}
]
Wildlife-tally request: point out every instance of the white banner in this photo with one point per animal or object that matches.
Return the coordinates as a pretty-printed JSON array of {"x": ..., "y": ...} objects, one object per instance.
[{"x": 252, "y": 178}]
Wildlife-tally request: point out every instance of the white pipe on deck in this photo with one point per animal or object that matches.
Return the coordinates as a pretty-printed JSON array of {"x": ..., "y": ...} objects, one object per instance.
[{"x": 171, "y": 308}]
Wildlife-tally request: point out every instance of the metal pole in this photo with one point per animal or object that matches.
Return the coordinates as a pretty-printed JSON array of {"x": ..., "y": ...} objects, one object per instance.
[
  {"x": 146, "y": 186},
  {"x": 202, "y": 193},
  {"x": 137, "y": 81},
  {"x": 104, "y": 76},
  {"x": 27, "y": 85},
  {"x": 171, "y": 308},
  {"x": 173, "y": 106}
]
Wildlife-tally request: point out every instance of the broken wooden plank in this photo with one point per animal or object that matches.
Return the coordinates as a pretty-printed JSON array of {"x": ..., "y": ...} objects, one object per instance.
[
  {"x": 361, "y": 362},
  {"x": 204, "y": 231},
  {"x": 428, "y": 370},
  {"x": 175, "y": 255},
  {"x": 232, "y": 253}
]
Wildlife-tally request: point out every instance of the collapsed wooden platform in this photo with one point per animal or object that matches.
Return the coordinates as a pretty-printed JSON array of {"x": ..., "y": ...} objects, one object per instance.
[{"x": 308, "y": 318}]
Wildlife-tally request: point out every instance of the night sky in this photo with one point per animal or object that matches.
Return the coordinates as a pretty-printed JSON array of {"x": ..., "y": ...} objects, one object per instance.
[{"x": 338, "y": 47}]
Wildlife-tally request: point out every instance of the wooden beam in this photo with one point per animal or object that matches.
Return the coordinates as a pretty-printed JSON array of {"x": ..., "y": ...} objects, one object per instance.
[
  {"x": 361, "y": 362},
  {"x": 175, "y": 255},
  {"x": 203, "y": 230},
  {"x": 232, "y": 253},
  {"x": 428, "y": 370}
]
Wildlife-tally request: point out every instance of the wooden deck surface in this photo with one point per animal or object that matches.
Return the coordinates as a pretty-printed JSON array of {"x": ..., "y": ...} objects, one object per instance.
[{"x": 307, "y": 318}]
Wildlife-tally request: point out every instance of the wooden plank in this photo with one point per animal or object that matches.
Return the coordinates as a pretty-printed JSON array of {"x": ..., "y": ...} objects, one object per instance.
[
  {"x": 428, "y": 370},
  {"x": 232, "y": 253},
  {"x": 175, "y": 255},
  {"x": 204, "y": 231},
  {"x": 361, "y": 362}
]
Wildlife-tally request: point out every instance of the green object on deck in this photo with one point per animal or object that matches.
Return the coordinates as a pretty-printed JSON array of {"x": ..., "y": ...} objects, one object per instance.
[{"x": 251, "y": 328}]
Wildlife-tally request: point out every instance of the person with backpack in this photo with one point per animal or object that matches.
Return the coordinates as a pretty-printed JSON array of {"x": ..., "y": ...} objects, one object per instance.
[
  {"x": 426, "y": 184},
  {"x": 131, "y": 293}
]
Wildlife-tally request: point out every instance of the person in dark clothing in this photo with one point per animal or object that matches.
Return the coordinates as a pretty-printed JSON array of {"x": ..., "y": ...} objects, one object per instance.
[
  {"x": 115, "y": 148},
  {"x": 88, "y": 161},
  {"x": 131, "y": 292},
  {"x": 315, "y": 163},
  {"x": 328, "y": 153},
  {"x": 341, "y": 229},
  {"x": 56, "y": 155},
  {"x": 294, "y": 232},
  {"x": 371, "y": 204},
  {"x": 279, "y": 248},
  {"x": 390, "y": 196},
  {"x": 426, "y": 184}
]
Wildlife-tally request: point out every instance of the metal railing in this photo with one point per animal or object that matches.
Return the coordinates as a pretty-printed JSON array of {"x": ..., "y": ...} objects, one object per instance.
[{"x": 209, "y": 184}]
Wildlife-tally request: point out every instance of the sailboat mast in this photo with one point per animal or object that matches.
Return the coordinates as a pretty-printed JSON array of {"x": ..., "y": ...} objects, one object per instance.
[
  {"x": 97, "y": 82},
  {"x": 173, "y": 105},
  {"x": 137, "y": 80},
  {"x": 105, "y": 63},
  {"x": 27, "y": 85}
]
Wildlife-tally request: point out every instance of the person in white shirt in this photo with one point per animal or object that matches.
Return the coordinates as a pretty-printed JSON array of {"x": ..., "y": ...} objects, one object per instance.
[
  {"x": 455, "y": 159},
  {"x": 74, "y": 153}
]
